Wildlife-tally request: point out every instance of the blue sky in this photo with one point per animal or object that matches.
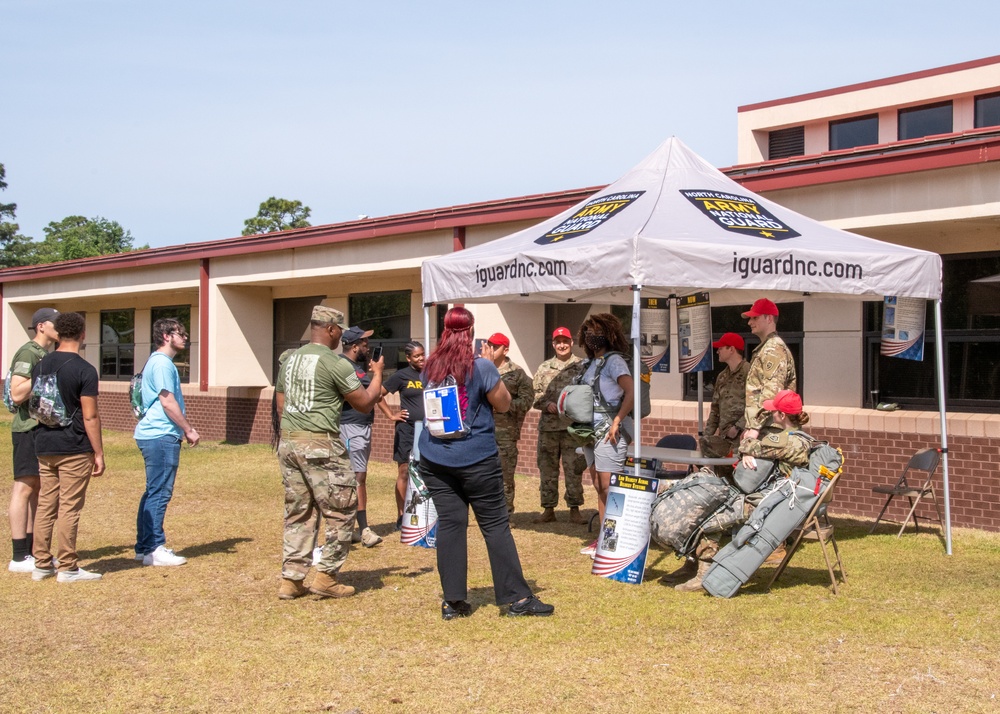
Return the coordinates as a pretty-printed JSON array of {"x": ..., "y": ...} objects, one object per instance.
[{"x": 177, "y": 119}]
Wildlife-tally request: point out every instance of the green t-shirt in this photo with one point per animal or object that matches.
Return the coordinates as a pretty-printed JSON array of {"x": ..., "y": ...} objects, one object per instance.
[
  {"x": 314, "y": 381},
  {"x": 25, "y": 359}
]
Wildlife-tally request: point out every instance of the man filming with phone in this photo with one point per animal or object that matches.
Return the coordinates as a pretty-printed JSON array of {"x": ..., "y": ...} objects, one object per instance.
[{"x": 356, "y": 429}]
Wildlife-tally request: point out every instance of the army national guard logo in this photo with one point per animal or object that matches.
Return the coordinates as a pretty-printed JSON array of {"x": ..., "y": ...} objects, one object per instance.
[
  {"x": 590, "y": 216},
  {"x": 739, "y": 214}
]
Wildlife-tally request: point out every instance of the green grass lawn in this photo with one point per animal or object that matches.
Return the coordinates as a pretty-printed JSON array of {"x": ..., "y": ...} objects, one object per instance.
[{"x": 911, "y": 631}]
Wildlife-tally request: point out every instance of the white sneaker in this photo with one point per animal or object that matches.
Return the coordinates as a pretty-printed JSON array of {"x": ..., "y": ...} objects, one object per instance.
[
  {"x": 42, "y": 573},
  {"x": 317, "y": 554},
  {"x": 163, "y": 556},
  {"x": 22, "y": 566},
  {"x": 140, "y": 556},
  {"x": 76, "y": 576},
  {"x": 369, "y": 538}
]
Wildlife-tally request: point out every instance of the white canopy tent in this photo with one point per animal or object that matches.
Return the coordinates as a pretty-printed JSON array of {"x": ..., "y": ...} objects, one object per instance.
[{"x": 674, "y": 225}]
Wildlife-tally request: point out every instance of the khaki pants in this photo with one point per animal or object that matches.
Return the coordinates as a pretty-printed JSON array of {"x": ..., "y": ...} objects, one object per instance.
[{"x": 64, "y": 481}]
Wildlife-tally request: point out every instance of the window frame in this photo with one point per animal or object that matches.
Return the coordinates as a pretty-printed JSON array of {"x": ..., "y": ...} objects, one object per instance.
[
  {"x": 114, "y": 350},
  {"x": 911, "y": 111},
  {"x": 852, "y": 120}
]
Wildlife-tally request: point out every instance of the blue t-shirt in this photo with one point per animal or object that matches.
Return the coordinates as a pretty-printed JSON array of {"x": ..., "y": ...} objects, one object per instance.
[
  {"x": 614, "y": 367},
  {"x": 158, "y": 375},
  {"x": 481, "y": 442}
]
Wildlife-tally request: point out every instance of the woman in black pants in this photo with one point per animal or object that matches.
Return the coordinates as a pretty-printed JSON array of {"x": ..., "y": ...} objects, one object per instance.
[{"x": 463, "y": 472}]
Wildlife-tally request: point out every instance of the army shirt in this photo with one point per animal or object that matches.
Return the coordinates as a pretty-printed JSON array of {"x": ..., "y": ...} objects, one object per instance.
[
  {"x": 552, "y": 377},
  {"x": 788, "y": 448},
  {"x": 771, "y": 370},
  {"x": 25, "y": 359},
  {"x": 518, "y": 383},
  {"x": 728, "y": 400},
  {"x": 314, "y": 381}
]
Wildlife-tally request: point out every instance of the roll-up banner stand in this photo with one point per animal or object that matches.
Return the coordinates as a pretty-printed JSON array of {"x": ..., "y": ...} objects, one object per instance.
[{"x": 623, "y": 539}]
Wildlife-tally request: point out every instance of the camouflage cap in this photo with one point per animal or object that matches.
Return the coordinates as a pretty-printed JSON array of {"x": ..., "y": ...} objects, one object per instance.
[{"x": 327, "y": 315}]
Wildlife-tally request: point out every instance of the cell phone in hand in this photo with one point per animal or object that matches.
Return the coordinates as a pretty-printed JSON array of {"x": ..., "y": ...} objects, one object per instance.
[{"x": 376, "y": 354}]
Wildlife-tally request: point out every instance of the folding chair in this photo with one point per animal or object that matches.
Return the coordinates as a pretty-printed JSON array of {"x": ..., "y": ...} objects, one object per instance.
[
  {"x": 925, "y": 460},
  {"x": 817, "y": 526},
  {"x": 677, "y": 441}
]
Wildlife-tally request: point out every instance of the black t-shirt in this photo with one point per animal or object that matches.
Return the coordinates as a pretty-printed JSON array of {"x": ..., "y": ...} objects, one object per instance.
[
  {"x": 76, "y": 378},
  {"x": 350, "y": 415},
  {"x": 407, "y": 382}
]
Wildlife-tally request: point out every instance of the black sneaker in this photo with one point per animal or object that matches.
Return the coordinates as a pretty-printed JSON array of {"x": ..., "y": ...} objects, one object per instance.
[
  {"x": 399, "y": 523},
  {"x": 455, "y": 608},
  {"x": 530, "y": 606}
]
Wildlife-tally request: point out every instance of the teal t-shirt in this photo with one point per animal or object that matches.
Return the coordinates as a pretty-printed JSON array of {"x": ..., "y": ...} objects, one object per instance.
[
  {"x": 24, "y": 361},
  {"x": 314, "y": 381},
  {"x": 159, "y": 375}
]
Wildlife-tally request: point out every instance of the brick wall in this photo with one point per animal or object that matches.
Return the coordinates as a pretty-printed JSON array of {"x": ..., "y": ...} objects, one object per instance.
[{"x": 874, "y": 456}]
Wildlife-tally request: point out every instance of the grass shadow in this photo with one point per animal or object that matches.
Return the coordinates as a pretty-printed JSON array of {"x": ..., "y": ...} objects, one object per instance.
[
  {"x": 226, "y": 545},
  {"x": 363, "y": 580}
]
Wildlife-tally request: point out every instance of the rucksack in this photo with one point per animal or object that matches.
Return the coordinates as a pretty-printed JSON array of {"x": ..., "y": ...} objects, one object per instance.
[
  {"x": 443, "y": 414},
  {"x": 135, "y": 396},
  {"x": 8, "y": 400},
  {"x": 645, "y": 375},
  {"x": 45, "y": 403}
]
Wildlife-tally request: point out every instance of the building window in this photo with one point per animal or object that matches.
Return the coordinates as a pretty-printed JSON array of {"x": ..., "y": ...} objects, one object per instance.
[
  {"x": 971, "y": 333},
  {"x": 117, "y": 344},
  {"x": 291, "y": 326},
  {"x": 181, "y": 313},
  {"x": 728, "y": 319},
  {"x": 848, "y": 133},
  {"x": 784, "y": 143},
  {"x": 388, "y": 316},
  {"x": 988, "y": 110},
  {"x": 925, "y": 121}
]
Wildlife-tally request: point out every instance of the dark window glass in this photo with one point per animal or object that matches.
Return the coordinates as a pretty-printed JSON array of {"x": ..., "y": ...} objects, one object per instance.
[
  {"x": 117, "y": 344},
  {"x": 291, "y": 325},
  {"x": 970, "y": 315},
  {"x": 848, "y": 133},
  {"x": 181, "y": 313},
  {"x": 988, "y": 110},
  {"x": 388, "y": 316},
  {"x": 925, "y": 121},
  {"x": 783, "y": 143}
]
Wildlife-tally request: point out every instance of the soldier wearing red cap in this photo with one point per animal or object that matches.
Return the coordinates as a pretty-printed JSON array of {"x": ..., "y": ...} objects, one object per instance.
[
  {"x": 508, "y": 424},
  {"x": 726, "y": 417},
  {"x": 771, "y": 366},
  {"x": 555, "y": 444}
]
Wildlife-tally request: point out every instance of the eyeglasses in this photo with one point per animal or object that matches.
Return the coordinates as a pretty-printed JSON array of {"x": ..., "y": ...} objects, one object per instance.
[{"x": 182, "y": 335}]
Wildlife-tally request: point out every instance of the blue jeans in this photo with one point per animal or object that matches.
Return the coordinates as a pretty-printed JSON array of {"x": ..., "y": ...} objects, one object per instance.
[{"x": 162, "y": 456}]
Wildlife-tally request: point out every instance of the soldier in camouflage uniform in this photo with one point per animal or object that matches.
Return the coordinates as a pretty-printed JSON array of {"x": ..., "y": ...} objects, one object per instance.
[
  {"x": 312, "y": 386},
  {"x": 508, "y": 425},
  {"x": 725, "y": 420},
  {"x": 554, "y": 442},
  {"x": 771, "y": 366},
  {"x": 779, "y": 442}
]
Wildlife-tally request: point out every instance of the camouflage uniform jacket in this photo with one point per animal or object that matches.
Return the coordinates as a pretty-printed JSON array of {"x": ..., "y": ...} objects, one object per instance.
[
  {"x": 788, "y": 448},
  {"x": 552, "y": 377},
  {"x": 771, "y": 370},
  {"x": 518, "y": 383},
  {"x": 729, "y": 400}
]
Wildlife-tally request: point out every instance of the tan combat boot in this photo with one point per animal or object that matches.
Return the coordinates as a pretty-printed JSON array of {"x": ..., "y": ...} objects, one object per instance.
[
  {"x": 326, "y": 585},
  {"x": 546, "y": 516},
  {"x": 694, "y": 584},
  {"x": 682, "y": 574},
  {"x": 291, "y": 589},
  {"x": 576, "y": 517}
]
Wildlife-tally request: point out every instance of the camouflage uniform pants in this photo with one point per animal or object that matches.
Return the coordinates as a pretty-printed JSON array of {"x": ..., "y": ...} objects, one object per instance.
[
  {"x": 553, "y": 447},
  {"x": 508, "y": 462},
  {"x": 318, "y": 480}
]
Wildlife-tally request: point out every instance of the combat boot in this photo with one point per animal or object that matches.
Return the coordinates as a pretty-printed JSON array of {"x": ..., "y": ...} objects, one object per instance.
[
  {"x": 682, "y": 574},
  {"x": 326, "y": 585},
  {"x": 694, "y": 584},
  {"x": 576, "y": 517},
  {"x": 291, "y": 589},
  {"x": 546, "y": 516}
]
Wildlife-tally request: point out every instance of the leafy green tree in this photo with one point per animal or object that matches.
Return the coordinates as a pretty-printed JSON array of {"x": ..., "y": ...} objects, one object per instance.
[
  {"x": 277, "y": 214},
  {"x": 77, "y": 237},
  {"x": 15, "y": 249}
]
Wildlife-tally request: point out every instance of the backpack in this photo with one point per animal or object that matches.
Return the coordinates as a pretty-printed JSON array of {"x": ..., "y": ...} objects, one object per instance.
[
  {"x": 645, "y": 374},
  {"x": 443, "y": 414},
  {"x": 135, "y": 393},
  {"x": 45, "y": 403},
  {"x": 8, "y": 400}
]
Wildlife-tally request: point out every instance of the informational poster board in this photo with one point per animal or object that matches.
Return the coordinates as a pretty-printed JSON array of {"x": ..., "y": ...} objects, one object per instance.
[
  {"x": 654, "y": 337},
  {"x": 623, "y": 540},
  {"x": 420, "y": 517},
  {"x": 694, "y": 333},
  {"x": 903, "y": 327}
]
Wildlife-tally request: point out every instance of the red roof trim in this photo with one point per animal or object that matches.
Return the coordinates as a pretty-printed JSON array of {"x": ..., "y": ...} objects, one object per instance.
[
  {"x": 973, "y": 64},
  {"x": 538, "y": 206}
]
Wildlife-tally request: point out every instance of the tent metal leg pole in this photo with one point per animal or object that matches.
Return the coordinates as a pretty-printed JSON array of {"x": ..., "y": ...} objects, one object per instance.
[
  {"x": 939, "y": 350},
  {"x": 637, "y": 369},
  {"x": 427, "y": 328},
  {"x": 701, "y": 391}
]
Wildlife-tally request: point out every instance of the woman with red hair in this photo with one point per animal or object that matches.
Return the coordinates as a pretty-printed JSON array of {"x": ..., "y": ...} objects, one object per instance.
[{"x": 465, "y": 471}]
